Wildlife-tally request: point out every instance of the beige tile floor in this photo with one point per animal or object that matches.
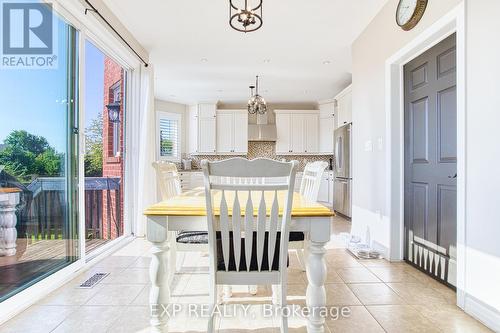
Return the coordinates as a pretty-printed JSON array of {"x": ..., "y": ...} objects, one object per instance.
[{"x": 380, "y": 296}]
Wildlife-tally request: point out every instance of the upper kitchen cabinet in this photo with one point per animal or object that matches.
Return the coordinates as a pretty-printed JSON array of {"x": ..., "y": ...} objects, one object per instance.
[
  {"x": 202, "y": 129},
  {"x": 326, "y": 126},
  {"x": 283, "y": 133},
  {"x": 344, "y": 107},
  {"x": 297, "y": 132},
  {"x": 311, "y": 133},
  {"x": 232, "y": 132},
  {"x": 207, "y": 110}
]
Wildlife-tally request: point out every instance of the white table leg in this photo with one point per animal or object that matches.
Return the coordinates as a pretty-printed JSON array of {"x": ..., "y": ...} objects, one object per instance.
[
  {"x": 316, "y": 275},
  {"x": 159, "y": 296},
  {"x": 172, "y": 242},
  {"x": 8, "y": 221}
]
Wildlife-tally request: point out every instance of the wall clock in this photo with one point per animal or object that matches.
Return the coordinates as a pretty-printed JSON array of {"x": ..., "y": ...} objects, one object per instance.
[{"x": 409, "y": 13}]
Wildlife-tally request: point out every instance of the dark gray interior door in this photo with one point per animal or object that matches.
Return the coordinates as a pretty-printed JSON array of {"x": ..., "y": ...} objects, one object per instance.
[{"x": 431, "y": 161}]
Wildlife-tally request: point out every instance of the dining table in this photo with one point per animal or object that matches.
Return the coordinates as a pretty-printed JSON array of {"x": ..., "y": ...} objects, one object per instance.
[{"x": 187, "y": 212}]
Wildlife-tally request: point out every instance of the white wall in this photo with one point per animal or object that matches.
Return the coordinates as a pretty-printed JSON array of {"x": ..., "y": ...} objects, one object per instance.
[
  {"x": 181, "y": 109},
  {"x": 376, "y": 44},
  {"x": 379, "y": 41},
  {"x": 483, "y": 156}
]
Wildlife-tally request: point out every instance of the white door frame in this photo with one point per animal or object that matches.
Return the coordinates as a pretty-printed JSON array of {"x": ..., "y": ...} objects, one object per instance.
[{"x": 452, "y": 22}]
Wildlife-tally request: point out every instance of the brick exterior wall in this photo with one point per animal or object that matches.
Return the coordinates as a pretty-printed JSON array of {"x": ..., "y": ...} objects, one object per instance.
[{"x": 112, "y": 163}]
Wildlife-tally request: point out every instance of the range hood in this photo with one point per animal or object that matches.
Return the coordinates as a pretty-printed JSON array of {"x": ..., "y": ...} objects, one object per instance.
[{"x": 261, "y": 132}]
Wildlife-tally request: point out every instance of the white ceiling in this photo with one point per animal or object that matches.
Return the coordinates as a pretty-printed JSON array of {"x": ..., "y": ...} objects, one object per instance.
[{"x": 296, "y": 39}]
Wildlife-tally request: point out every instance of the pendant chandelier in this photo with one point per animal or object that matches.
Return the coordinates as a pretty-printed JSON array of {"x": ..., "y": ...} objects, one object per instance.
[
  {"x": 246, "y": 19},
  {"x": 256, "y": 104}
]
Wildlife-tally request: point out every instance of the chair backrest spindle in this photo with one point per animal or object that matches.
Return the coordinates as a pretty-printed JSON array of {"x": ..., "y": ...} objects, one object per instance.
[{"x": 241, "y": 183}]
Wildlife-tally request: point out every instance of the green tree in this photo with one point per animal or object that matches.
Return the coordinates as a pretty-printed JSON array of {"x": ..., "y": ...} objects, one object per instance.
[
  {"x": 27, "y": 142},
  {"x": 167, "y": 147},
  {"x": 93, "y": 148},
  {"x": 48, "y": 162},
  {"x": 26, "y": 155}
]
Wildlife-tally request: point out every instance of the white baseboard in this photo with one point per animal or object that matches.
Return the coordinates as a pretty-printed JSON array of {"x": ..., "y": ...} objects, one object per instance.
[{"x": 482, "y": 312}]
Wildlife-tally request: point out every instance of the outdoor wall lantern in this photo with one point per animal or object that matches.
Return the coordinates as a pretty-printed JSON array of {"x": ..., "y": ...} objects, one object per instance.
[{"x": 114, "y": 112}]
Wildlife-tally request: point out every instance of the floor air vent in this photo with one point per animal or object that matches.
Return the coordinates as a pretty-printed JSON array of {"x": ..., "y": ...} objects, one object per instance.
[{"x": 93, "y": 280}]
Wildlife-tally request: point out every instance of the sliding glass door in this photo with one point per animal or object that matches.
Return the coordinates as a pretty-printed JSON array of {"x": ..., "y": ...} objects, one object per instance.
[
  {"x": 47, "y": 221},
  {"x": 105, "y": 87},
  {"x": 38, "y": 145}
]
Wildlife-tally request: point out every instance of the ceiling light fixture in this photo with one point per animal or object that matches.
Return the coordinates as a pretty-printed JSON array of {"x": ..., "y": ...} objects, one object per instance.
[
  {"x": 326, "y": 62},
  {"x": 246, "y": 19},
  {"x": 256, "y": 104},
  {"x": 203, "y": 59}
]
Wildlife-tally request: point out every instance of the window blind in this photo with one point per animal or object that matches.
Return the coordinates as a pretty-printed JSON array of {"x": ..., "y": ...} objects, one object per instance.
[{"x": 169, "y": 138}]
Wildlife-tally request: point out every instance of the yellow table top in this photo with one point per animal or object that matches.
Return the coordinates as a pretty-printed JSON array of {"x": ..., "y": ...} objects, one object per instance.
[{"x": 192, "y": 203}]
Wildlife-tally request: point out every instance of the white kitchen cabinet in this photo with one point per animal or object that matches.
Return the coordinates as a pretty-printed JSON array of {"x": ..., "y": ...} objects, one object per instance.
[
  {"x": 311, "y": 133},
  {"x": 207, "y": 110},
  {"x": 225, "y": 132},
  {"x": 232, "y": 132},
  {"x": 241, "y": 132},
  {"x": 207, "y": 135},
  {"x": 331, "y": 183},
  {"x": 326, "y": 127},
  {"x": 344, "y": 107},
  {"x": 283, "y": 133},
  {"x": 185, "y": 179},
  {"x": 325, "y": 195},
  {"x": 191, "y": 179},
  {"x": 297, "y": 132},
  {"x": 323, "y": 188},
  {"x": 197, "y": 179},
  {"x": 202, "y": 129}
]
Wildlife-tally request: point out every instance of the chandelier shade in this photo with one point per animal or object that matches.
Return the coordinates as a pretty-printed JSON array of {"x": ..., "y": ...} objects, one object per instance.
[
  {"x": 256, "y": 103},
  {"x": 247, "y": 18}
]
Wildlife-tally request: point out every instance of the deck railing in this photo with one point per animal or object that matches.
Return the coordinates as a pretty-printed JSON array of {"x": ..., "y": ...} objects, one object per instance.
[{"x": 45, "y": 216}]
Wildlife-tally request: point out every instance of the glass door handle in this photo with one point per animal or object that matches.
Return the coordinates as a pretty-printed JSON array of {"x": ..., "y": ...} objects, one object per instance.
[{"x": 452, "y": 177}]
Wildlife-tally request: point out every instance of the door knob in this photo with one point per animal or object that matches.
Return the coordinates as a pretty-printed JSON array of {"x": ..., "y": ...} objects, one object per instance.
[{"x": 452, "y": 177}]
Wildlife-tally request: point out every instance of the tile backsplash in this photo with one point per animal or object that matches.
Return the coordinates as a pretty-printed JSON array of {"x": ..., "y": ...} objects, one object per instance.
[{"x": 265, "y": 149}]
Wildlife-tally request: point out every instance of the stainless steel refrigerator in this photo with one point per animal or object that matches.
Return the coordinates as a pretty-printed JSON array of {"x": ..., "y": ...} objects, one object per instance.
[{"x": 343, "y": 173}]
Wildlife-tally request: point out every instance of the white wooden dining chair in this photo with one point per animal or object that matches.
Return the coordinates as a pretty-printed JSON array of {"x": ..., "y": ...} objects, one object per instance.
[
  {"x": 169, "y": 185},
  {"x": 168, "y": 179},
  {"x": 309, "y": 189},
  {"x": 248, "y": 243}
]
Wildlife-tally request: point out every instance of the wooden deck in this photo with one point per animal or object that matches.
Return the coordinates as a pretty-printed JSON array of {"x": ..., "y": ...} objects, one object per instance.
[
  {"x": 34, "y": 261},
  {"x": 52, "y": 249}
]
